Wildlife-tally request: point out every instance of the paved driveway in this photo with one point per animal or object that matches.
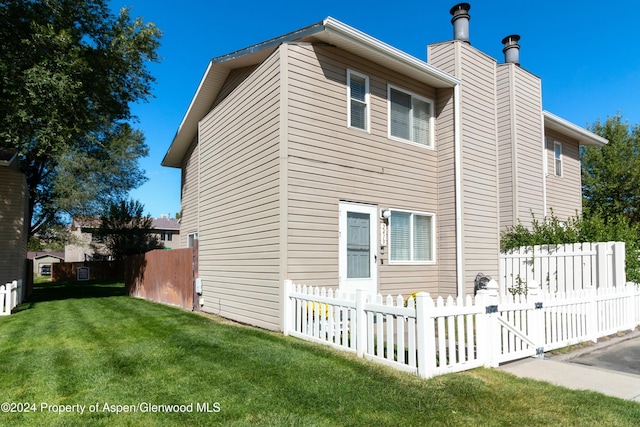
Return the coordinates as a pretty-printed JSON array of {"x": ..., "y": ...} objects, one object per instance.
[
  {"x": 611, "y": 367},
  {"x": 623, "y": 356}
]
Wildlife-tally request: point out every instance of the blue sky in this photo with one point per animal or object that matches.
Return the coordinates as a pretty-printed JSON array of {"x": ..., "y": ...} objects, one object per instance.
[{"x": 585, "y": 52}]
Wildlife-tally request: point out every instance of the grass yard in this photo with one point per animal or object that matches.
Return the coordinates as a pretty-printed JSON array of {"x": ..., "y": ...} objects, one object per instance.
[{"x": 92, "y": 348}]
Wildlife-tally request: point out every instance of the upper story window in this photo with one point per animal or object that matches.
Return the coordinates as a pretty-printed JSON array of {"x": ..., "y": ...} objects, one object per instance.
[
  {"x": 557, "y": 157},
  {"x": 358, "y": 93},
  {"x": 410, "y": 117},
  {"x": 411, "y": 237}
]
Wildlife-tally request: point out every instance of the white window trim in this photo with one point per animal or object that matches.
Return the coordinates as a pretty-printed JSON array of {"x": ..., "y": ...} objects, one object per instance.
[
  {"x": 367, "y": 101},
  {"x": 555, "y": 161},
  {"x": 433, "y": 238},
  {"x": 189, "y": 237},
  {"x": 432, "y": 144}
]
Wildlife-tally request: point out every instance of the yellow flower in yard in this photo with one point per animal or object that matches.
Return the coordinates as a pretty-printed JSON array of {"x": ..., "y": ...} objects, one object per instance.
[{"x": 322, "y": 309}]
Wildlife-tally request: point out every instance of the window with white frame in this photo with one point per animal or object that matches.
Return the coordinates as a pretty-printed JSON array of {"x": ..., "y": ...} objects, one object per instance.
[
  {"x": 358, "y": 94},
  {"x": 191, "y": 239},
  {"x": 410, "y": 117},
  {"x": 411, "y": 237},
  {"x": 557, "y": 156}
]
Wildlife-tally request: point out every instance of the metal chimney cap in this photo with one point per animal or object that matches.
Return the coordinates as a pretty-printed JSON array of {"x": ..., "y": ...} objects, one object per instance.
[
  {"x": 511, "y": 49},
  {"x": 511, "y": 40},
  {"x": 460, "y": 9}
]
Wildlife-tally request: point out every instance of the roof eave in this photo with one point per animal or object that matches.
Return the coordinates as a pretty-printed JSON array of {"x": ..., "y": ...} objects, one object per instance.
[
  {"x": 330, "y": 30},
  {"x": 583, "y": 136}
]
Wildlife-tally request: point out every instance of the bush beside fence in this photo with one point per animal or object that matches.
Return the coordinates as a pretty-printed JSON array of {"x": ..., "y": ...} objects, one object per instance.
[
  {"x": 563, "y": 268},
  {"x": 431, "y": 337}
]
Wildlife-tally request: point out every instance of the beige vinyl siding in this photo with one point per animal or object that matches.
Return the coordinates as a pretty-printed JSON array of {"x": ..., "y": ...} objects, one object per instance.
[
  {"x": 521, "y": 162},
  {"x": 480, "y": 237},
  {"x": 564, "y": 194},
  {"x": 13, "y": 227},
  {"x": 239, "y": 200},
  {"x": 329, "y": 162},
  {"x": 234, "y": 78},
  {"x": 506, "y": 149},
  {"x": 189, "y": 195},
  {"x": 530, "y": 162},
  {"x": 446, "y": 193}
]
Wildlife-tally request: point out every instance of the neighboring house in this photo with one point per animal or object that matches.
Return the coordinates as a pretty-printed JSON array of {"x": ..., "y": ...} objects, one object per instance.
[
  {"x": 42, "y": 261},
  {"x": 167, "y": 231},
  {"x": 330, "y": 158},
  {"x": 88, "y": 245},
  {"x": 14, "y": 199}
]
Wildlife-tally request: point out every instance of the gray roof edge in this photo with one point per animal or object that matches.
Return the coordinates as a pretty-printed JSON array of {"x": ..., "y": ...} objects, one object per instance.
[{"x": 277, "y": 41}]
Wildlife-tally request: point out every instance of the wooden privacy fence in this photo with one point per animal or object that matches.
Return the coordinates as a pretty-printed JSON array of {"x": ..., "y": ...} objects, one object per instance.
[
  {"x": 563, "y": 268},
  {"x": 11, "y": 294},
  {"x": 97, "y": 270},
  {"x": 431, "y": 337},
  {"x": 165, "y": 276}
]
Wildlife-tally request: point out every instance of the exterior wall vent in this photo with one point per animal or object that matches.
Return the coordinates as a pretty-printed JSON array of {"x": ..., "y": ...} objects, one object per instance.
[{"x": 460, "y": 21}]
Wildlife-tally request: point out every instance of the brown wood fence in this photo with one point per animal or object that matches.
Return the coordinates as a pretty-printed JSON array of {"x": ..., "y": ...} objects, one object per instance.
[
  {"x": 98, "y": 270},
  {"x": 165, "y": 276}
]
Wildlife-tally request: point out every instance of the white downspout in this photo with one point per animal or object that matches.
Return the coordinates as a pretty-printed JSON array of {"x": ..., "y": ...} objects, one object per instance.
[{"x": 457, "y": 144}]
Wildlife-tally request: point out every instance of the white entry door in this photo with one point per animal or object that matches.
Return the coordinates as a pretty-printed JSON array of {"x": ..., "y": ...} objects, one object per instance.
[{"x": 358, "y": 255}]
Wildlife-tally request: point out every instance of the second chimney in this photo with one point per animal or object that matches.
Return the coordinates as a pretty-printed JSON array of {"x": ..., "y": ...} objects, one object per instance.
[
  {"x": 511, "y": 49},
  {"x": 460, "y": 21}
]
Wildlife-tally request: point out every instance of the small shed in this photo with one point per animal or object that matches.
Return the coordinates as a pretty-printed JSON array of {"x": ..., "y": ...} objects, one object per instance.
[{"x": 42, "y": 261}]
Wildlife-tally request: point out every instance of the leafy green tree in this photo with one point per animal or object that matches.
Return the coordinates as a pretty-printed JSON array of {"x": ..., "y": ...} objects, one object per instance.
[
  {"x": 69, "y": 71},
  {"x": 611, "y": 173},
  {"x": 126, "y": 231}
]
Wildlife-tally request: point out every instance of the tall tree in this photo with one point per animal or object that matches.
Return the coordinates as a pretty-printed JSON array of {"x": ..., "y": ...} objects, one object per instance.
[
  {"x": 126, "y": 231},
  {"x": 69, "y": 72},
  {"x": 611, "y": 173}
]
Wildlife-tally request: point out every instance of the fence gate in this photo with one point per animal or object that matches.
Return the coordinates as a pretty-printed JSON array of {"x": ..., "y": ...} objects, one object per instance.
[
  {"x": 515, "y": 324},
  {"x": 517, "y": 329}
]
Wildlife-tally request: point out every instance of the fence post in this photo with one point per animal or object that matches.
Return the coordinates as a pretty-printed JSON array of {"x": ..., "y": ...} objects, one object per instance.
[
  {"x": 14, "y": 295},
  {"x": 536, "y": 318},
  {"x": 619, "y": 276},
  {"x": 629, "y": 294},
  {"x": 361, "y": 323},
  {"x": 488, "y": 333},
  {"x": 288, "y": 307},
  {"x": 426, "y": 345},
  {"x": 4, "y": 300},
  {"x": 601, "y": 265},
  {"x": 592, "y": 313}
]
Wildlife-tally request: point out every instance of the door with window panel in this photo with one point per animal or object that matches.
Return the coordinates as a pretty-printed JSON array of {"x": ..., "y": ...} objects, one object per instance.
[{"x": 358, "y": 243}]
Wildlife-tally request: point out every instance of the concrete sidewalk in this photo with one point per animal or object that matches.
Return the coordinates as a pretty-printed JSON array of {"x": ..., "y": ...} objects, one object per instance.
[{"x": 560, "y": 371}]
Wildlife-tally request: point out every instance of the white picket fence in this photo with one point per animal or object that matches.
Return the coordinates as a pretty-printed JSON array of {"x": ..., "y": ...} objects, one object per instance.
[
  {"x": 11, "y": 294},
  {"x": 563, "y": 268},
  {"x": 430, "y": 337}
]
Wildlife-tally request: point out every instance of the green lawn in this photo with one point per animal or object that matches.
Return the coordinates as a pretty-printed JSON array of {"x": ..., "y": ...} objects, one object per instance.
[{"x": 92, "y": 347}]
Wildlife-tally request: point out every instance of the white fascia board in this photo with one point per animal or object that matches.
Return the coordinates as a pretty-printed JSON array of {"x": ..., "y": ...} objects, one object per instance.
[
  {"x": 329, "y": 30},
  {"x": 584, "y": 136},
  {"x": 374, "y": 45}
]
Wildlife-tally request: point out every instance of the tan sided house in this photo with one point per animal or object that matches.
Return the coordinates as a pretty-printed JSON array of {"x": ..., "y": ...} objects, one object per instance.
[
  {"x": 14, "y": 199},
  {"x": 330, "y": 158}
]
